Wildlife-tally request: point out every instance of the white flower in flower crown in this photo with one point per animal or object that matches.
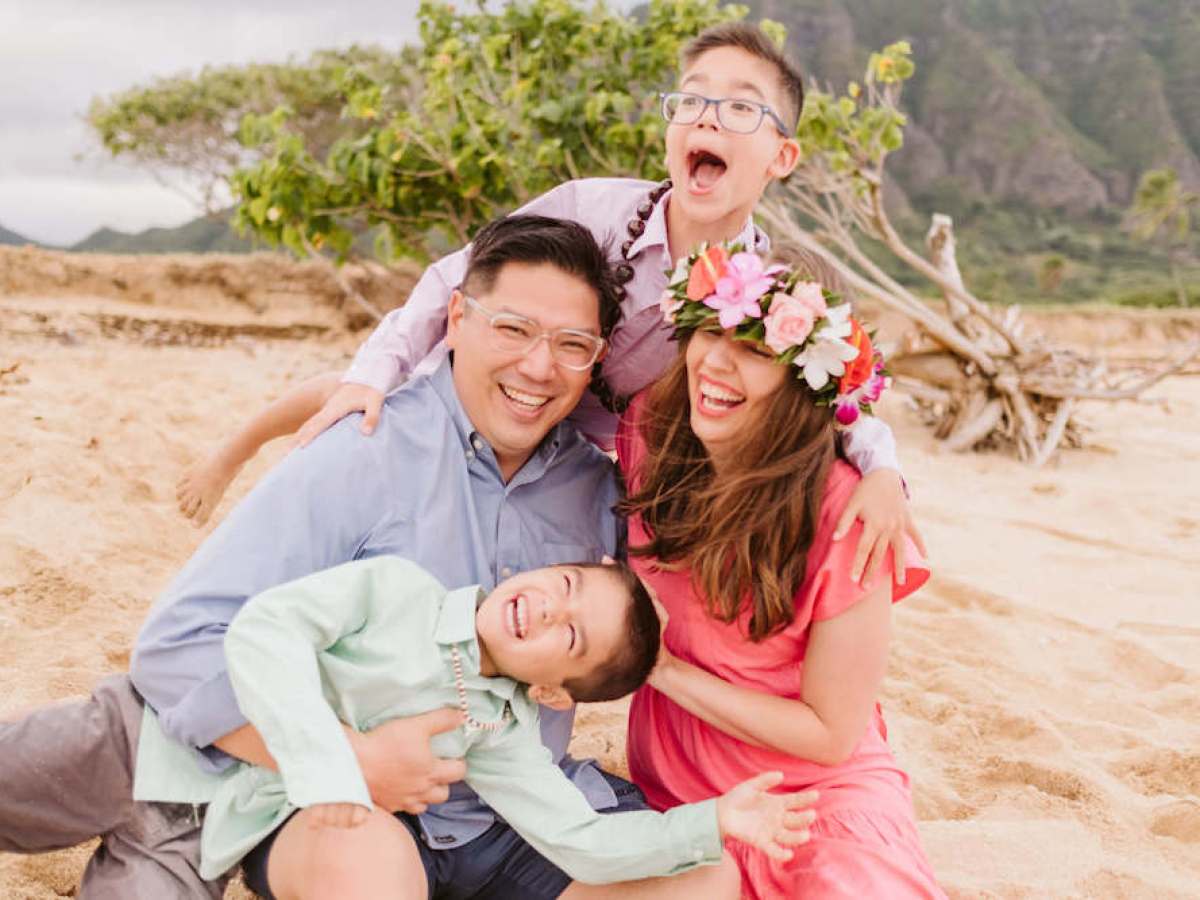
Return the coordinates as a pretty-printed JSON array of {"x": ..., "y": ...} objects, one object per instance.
[
  {"x": 836, "y": 324},
  {"x": 827, "y": 353}
]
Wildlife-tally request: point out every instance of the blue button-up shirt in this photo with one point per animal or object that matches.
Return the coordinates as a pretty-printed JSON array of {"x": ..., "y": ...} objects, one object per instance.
[{"x": 426, "y": 486}]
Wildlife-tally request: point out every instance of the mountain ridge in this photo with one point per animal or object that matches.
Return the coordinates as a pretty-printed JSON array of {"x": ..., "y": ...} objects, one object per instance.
[{"x": 1060, "y": 106}]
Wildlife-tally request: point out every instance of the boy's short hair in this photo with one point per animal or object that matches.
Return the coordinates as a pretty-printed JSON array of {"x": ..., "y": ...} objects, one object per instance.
[
  {"x": 757, "y": 43},
  {"x": 540, "y": 239},
  {"x": 628, "y": 668}
]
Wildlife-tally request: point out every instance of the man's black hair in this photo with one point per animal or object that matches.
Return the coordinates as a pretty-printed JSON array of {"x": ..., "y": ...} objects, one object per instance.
[{"x": 540, "y": 239}]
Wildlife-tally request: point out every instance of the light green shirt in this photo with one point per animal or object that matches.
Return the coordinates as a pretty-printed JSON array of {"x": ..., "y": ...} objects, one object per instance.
[{"x": 370, "y": 641}]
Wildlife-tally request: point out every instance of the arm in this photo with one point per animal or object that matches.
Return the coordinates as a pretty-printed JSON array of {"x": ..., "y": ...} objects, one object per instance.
[
  {"x": 880, "y": 500},
  {"x": 870, "y": 445},
  {"x": 271, "y": 649},
  {"x": 844, "y": 665},
  {"x": 514, "y": 775}
]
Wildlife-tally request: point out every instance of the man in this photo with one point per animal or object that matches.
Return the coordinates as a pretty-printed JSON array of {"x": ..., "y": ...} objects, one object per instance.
[{"x": 473, "y": 475}]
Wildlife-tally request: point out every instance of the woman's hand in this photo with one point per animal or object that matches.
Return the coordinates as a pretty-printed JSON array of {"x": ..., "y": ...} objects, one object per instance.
[
  {"x": 880, "y": 503},
  {"x": 347, "y": 399},
  {"x": 771, "y": 822},
  {"x": 337, "y": 815}
]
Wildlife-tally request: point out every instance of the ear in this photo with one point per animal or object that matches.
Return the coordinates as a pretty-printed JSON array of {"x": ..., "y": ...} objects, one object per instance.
[
  {"x": 454, "y": 316},
  {"x": 786, "y": 159},
  {"x": 555, "y": 697}
]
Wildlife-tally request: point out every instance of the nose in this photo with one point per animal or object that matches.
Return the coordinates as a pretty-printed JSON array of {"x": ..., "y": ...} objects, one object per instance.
[
  {"x": 708, "y": 117},
  {"x": 554, "y": 610},
  {"x": 720, "y": 354},
  {"x": 538, "y": 363}
]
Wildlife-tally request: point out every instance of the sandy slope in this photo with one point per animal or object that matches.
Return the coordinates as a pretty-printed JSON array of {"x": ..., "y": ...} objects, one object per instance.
[{"x": 1044, "y": 689}]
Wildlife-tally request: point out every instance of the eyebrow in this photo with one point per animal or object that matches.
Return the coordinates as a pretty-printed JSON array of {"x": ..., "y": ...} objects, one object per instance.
[
  {"x": 737, "y": 86},
  {"x": 579, "y": 632}
]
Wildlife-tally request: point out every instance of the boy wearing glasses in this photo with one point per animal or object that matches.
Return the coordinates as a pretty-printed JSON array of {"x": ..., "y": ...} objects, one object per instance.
[{"x": 730, "y": 133}]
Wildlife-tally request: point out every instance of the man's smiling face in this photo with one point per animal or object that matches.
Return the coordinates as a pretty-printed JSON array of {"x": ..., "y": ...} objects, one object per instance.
[
  {"x": 513, "y": 400},
  {"x": 718, "y": 173}
]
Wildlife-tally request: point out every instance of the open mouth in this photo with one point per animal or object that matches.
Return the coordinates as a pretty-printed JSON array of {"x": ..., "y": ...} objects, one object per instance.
[
  {"x": 516, "y": 616},
  {"x": 523, "y": 401},
  {"x": 705, "y": 169},
  {"x": 717, "y": 399}
]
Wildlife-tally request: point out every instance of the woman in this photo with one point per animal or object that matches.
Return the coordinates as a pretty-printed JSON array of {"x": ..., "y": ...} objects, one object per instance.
[{"x": 772, "y": 656}]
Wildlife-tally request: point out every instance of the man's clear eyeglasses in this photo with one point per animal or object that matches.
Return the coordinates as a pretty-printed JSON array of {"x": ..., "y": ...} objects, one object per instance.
[
  {"x": 734, "y": 114},
  {"x": 511, "y": 333}
]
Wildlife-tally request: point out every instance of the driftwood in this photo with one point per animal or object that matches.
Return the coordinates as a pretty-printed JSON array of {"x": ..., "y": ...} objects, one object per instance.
[{"x": 979, "y": 374}]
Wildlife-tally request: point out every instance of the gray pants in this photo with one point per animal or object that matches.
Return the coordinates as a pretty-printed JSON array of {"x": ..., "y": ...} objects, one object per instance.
[{"x": 66, "y": 776}]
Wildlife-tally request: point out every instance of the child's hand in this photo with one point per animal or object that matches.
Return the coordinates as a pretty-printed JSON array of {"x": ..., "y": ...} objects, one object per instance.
[
  {"x": 345, "y": 400},
  {"x": 880, "y": 502},
  {"x": 337, "y": 815},
  {"x": 770, "y": 822}
]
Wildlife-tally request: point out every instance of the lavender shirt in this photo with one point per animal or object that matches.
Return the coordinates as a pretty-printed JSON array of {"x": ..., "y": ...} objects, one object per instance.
[{"x": 409, "y": 341}]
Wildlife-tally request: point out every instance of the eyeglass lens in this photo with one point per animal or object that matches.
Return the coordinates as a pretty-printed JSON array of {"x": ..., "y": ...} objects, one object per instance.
[
  {"x": 736, "y": 115},
  {"x": 514, "y": 334}
]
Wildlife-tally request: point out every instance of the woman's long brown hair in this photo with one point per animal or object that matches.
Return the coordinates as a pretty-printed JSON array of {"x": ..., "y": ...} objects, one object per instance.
[{"x": 745, "y": 535}]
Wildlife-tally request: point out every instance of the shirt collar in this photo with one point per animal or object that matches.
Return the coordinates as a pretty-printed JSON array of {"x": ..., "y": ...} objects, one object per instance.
[
  {"x": 474, "y": 443},
  {"x": 655, "y": 234},
  {"x": 456, "y": 627}
]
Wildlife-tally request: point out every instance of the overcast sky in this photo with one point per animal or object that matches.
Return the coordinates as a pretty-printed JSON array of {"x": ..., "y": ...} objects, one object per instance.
[{"x": 55, "y": 55}]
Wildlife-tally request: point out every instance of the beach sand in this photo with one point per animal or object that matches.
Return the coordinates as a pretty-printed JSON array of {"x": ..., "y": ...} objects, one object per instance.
[{"x": 1044, "y": 688}]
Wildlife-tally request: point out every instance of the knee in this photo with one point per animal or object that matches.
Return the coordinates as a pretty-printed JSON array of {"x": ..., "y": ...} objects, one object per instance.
[{"x": 342, "y": 862}]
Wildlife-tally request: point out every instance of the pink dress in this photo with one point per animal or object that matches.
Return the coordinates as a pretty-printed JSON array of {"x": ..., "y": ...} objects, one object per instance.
[{"x": 864, "y": 842}]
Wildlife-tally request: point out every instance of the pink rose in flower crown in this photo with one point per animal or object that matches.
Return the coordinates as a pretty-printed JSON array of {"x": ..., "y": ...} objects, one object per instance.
[
  {"x": 669, "y": 305},
  {"x": 789, "y": 322},
  {"x": 706, "y": 272},
  {"x": 811, "y": 295},
  {"x": 740, "y": 288}
]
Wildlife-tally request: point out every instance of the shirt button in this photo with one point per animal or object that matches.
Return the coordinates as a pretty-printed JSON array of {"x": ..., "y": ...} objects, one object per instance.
[
  {"x": 470, "y": 455},
  {"x": 477, "y": 444},
  {"x": 506, "y": 572}
]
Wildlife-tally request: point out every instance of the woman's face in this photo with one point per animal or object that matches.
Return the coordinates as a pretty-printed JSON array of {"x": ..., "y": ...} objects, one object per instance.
[{"x": 730, "y": 384}]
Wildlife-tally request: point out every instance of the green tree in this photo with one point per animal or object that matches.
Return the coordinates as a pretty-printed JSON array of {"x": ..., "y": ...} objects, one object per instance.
[
  {"x": 1162, "y": 212},
  {"x": 507, "y": 103},
  {"x": 185, "y": 128}
]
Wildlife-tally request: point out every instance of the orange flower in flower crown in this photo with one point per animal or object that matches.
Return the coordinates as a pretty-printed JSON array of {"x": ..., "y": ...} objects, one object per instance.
[
  {"x": 706, "y": 272},
  {"x": 858, "y": 370}
]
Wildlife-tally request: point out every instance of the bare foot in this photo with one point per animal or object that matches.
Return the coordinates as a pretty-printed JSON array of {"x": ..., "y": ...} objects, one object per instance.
[{"x": 202, "y": 486}]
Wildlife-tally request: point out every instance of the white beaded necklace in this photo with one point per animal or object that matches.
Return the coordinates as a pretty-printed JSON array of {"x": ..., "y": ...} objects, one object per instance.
[{"x": 469, "y": 721}]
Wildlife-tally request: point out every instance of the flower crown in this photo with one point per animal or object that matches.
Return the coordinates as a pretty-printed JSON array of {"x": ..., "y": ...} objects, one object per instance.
[{"x": 804, "y": 324}]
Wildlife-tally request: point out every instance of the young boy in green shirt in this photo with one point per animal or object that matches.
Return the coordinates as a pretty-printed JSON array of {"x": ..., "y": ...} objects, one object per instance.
[{"x": 377, "y": 639}]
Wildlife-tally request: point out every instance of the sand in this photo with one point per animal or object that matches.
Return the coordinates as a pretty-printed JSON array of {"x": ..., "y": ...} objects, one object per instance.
[{"x": 1044, "y": 688}]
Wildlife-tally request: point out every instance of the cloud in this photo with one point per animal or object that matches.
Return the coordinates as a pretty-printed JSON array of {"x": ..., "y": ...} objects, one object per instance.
[{"x": 55, "y": 56}]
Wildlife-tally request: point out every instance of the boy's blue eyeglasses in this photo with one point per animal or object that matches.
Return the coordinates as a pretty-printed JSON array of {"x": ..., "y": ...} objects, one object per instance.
[{"x": 736, "y": 115}]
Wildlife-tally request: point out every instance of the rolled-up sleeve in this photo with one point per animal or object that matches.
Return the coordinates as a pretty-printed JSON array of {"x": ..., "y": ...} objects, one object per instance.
[
  {"x": 311, "y": 512},
  {"x": 272, "y": 648},
  {"x": 870, "y": 445},
  {"x": 515, "y": 776}
]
